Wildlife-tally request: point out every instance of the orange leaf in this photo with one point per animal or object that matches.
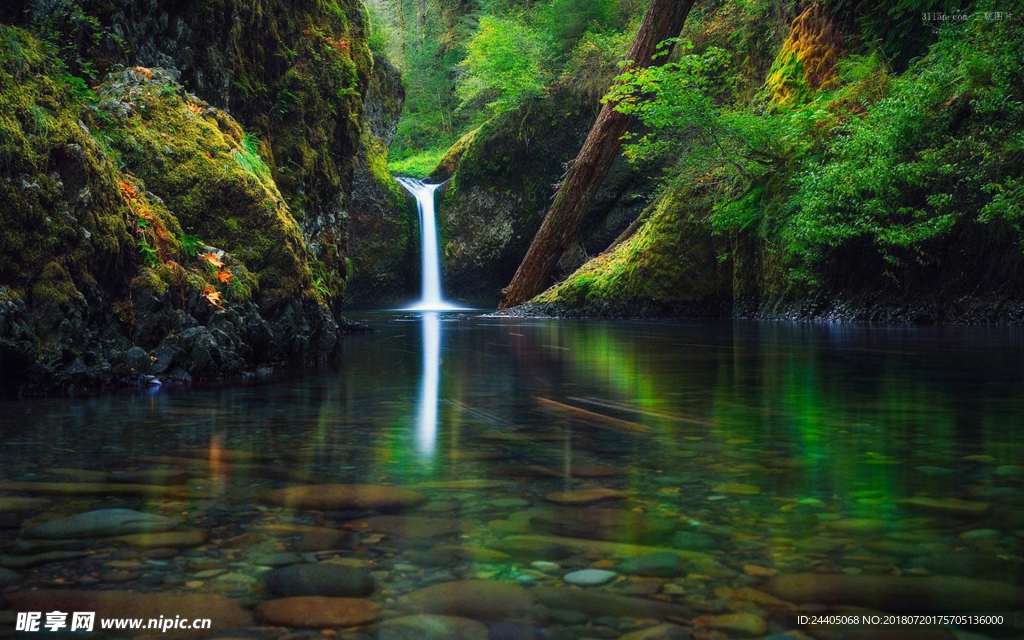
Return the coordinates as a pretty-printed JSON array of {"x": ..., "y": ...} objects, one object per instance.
[
  {"x": 224, "y": 276},
  {"x": 212, "y": 296},
  {"x": 144, "y": 72},
  {"x": 213, "y": 259}
]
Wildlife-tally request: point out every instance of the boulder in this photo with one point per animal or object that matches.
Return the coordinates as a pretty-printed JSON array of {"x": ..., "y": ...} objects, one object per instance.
[
  {"x": 323, "y": 579},
  {"x": 312, "y": 612},
  {"x": 477, "y": 599},
  {"x": 104, "y": 522}
]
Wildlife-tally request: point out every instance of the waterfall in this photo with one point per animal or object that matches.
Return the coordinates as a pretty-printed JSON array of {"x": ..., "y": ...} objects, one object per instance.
[{"x": 430, "y": 290}]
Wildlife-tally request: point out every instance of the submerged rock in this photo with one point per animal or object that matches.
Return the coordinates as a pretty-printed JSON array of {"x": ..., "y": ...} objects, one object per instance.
[
  {"x": 945, "y": 506},
  {"x": 583, "y": 497},
  {"x": 8, "y": 577},
  {"x": 602, "y": 603},
  {"x": 313, "y": 612},
  {"x": 431, "y": 627},
  {"x": 934, "y": 594},
  {"x": 589, "y": 577},
  {"x": 617, "y": 525},
  {"x": 16, "y": 505},
  {"x": 414, "y": 527},
  {"x": 660, "y": 564},
  {"x": 104, "y": 522},
  {"x": 165, "y": 540},
  {"x": 743, "y": 624},
  {"x": 355, "y": 497},
  {"x": 477, "y": 599},
  {"x": 323, "y": 579}
]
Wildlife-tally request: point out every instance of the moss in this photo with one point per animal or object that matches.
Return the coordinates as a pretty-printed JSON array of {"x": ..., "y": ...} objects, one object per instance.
[
  {"x": 806, "y": 62},
  {"x": 669, "y": 263},
  {"x": 211, "y": 175},
  {"x": 59, "y": 203}
]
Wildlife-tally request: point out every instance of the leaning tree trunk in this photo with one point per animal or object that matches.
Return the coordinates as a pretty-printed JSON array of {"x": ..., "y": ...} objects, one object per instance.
[{"x": 664, "y": 20}]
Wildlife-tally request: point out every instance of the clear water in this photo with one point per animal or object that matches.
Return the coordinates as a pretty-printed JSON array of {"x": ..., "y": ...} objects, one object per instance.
[{"x": 789, "y": 448}]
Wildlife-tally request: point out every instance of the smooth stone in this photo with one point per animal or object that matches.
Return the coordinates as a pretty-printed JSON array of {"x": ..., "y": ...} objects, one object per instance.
[
  {"x": 934, "y": 594},
  {"x": 21, "y": 562},
  {"x": 736, "y": 488},
  {"x": 323, "y": 579},
  {"x": 165, "y": 540},
  {"x": 744, "y": 624},
  {"x": 414, "y": 527},
  {"x": 546, "y": 567},
  {"x": 8, "y": 577},
  {"x": 515, "y": 631},
  {"x": 477, "y": 484},
  {"x": 601, "y": 603},
  {"x": 431, "y": 627},
  {"x": 324, "y": 541},
  {"x": 980, "y": 534},
  {"x": 104, "y": 522},
  {"x": 509, "y": 503},
  {"x": 589, "y": 577},
  {"x": 477, "y": 599},
  {"x": 701, "y": 562},
  {"x": 660, "y": 564},
  {"x": 313, "y": 612},
  {"x": 617, "y": 525},
  {"x": 222, "y": 612},
  {"x": 945, "y": 506},
  {"x": 1009, "y": 471},
  {"x": 471, "y": 553},
  {"x": 855, "y": 525},
  {"x": 660, "y": 632},
  {"x": 529, "y": 549},
  {"x": 105, "y": 488},
  {"x": 583, "y": 497},
  {"x": 17, "y": 505},
  {"x": 355, "y": 497},
  {"x": 281, "y": 559}
]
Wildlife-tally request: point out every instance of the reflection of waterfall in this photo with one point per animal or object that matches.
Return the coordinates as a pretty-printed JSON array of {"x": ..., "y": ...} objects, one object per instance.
[
  {"x": 426, "y": 424},
  {"x": 430, "y": 295}
]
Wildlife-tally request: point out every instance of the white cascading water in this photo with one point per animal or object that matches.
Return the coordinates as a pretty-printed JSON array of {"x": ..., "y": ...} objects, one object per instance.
[{"x": 430, "y": 294}]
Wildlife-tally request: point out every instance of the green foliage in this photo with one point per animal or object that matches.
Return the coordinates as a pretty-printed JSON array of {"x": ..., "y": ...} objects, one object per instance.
[
  {"x": 504, "y": 64},
  {"x": 248, "y": 156},
  {"x": 191, "y": 245}
]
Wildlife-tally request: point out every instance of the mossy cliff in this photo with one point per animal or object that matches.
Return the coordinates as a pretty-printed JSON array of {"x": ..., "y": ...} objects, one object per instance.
[
  {"x": 146, "y": 231},
  {"x": 900, "y": 200},
  {"x": 502, "y": 178}
]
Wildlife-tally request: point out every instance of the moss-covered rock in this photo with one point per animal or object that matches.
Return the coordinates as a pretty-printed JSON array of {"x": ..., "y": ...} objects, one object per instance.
[
  {"x": 382, "y": 234},
  {"x": 502, "y": 179},
  {"x": 669, "y": 267},
  {"x": 141, "y": 233}
]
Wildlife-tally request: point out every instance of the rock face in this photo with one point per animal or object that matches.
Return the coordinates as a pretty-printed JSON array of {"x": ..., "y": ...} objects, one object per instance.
[
  {"x": 501, "y": 186},
  {"x": 118, "y": 290},
  {"x": 478, "y": 599},
  {"x": 222, "y": 612},
  {"x": 346, "y": 496},
  {"x": 322, "y": 579},
  {"x": 318, "y": 613}
]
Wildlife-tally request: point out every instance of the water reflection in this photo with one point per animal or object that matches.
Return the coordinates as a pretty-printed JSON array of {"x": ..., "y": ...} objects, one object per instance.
[{"x": 426, "y": 419}]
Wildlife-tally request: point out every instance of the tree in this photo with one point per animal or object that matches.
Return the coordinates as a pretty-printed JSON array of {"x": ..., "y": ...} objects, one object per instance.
[{"x": 664, "y": 19}]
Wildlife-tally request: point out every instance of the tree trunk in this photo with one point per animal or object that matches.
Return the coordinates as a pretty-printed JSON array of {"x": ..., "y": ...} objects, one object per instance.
[
  {"x": 664, "y": 19},
  {"x": 421, "y": 20}
]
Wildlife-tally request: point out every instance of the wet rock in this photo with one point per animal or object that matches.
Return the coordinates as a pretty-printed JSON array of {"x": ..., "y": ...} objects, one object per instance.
[
  {"x": 8, "y": 577},
  {"x": 529, "y": 549},
  {"x": 23, "y": 561},
  {"x": 584, "y": 497},
  {"x": 356, "y": 497},
  {"x": 945, "y": 506},
  {"x": 323, "y": 579},
  {"x": 970, "y": 563},
  {"x": 222, "y": 612},
  {"x": 661, "y": 564},
  {"x": 165, "y": 540},
  {"x": 431, "y": 627},
  {"x": 660, "y": 632},
  {"x": 465, "y": 485},
  {"x": 736, "y": 489},
  {"x": 414, "y": 527},
  {"x": 281, "y": 559},
  {"x": 514, "y": 631},
  {"x": 604, "y": 524},
  {"x": 855, "y": 526},
  {"x": 742, "y": 624},
  {"x": 446, "y": 553},
  {"x": 104, "y": 522},
  {"x": 601, "y": 603},
  {"x": 589, "y": 577},
  {"x": 312, "y": 612},
  {"x": 546, "y": 567},
  {"x": 17, "y": 505},
  {"x": 478, "y": 599},
  {"x": 897, "y": 593}
]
